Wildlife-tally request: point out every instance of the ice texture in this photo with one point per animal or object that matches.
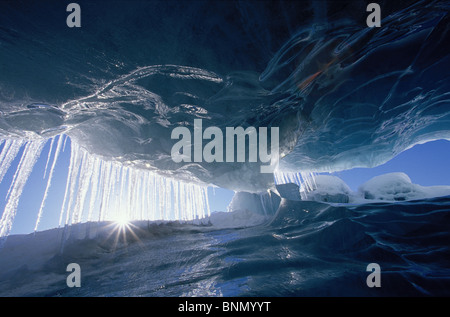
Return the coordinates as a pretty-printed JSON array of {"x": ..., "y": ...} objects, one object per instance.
[
  {"x": 30, "y": 154},
  {"x": 289, "y": 191},
  {"x": 258, "y": 203},
  {"x": 237, "y": 219},
  {"x": 343, "y": 95},
  {"x": 307, "y": 249}
]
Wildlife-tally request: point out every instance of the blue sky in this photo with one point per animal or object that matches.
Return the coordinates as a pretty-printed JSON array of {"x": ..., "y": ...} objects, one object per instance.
[{"x": 426, "y": 164}]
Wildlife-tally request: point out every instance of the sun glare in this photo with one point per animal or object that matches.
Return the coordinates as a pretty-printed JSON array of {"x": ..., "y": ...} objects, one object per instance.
[
  {"x": 122, "y": 220},
  {"x": 123, "y": 230}
]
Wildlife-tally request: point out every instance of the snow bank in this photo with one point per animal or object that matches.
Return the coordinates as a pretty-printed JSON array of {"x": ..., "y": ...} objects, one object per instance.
[
  {"x": 398, "y": 187},
  {"x": 328, "y": 188},
  {"x": 387, "y": 187}
]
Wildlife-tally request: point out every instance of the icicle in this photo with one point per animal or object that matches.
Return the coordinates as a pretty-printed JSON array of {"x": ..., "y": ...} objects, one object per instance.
[
  {"x": 2, "y": 142},
  {"x": 68, "y": 183},
  {"x": 5, "y": 149},
  {"x": 101, "y": 185},
  {"x": 159, "y": 184},
  {"x": 16, "y": 174},
  {"x": 48, "y": 156},
  {"x": 135, "y": 206},
  {"x": 29, "y": 157},
  {"x": 86, "y": 170},
  {"x": 9, "y": 153},
  {"x": 73, "y": 180},
  {"x": 94, "y": 187},
  {"x": 191, "y": 203},
  {"x": 105, "y": 193},
  {"x": 129, "y": 192},
  {"x": 109, "y": 190},
  {"x": 123, "y": 179},
  {"x": 65, "y": 141},
  {"x": 205, "y": 197},
  {"x": 52, "y": 169},
  {"x": 176, "y": 201},
  {"x": 154, "y": 198},
  {"x": 168, "y": 206},
  {"x": 116, "y": 191},
  {"x": 105, "y": 188}
]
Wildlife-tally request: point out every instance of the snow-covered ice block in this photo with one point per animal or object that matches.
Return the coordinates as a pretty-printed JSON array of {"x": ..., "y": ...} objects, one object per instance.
[
  {"x": 398, "y": 187},
  {"x": 328, "y": 188}
]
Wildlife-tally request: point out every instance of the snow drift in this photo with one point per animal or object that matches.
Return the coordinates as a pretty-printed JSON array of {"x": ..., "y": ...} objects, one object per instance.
[
  {"x": 387, "y": 187},
  {"x": 398, "y": 187}
]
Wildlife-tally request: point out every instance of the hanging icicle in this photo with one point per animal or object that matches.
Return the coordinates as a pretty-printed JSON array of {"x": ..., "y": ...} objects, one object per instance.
[
  {"x": 50, "y": 177},
  {"x": 98, "y": 190},
  {"x": 30, "y": 154},
  {"x": 305, "y": 180}
]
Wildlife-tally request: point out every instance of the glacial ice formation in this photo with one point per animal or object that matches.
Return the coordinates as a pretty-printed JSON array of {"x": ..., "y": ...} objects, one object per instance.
[
  {"x": 30, "y": 154},
  {"x": 387, "y": 187},
  {"x": 265, "y": 204},
  {"x": 98, "y": 190},
  {"x": 344, "y": 95},
  {"x": 328, "y": 188}
]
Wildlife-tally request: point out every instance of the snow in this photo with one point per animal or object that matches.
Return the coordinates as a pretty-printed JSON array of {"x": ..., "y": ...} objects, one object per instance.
[
  {"x": 388, "y": 187},
  {"x": 32, "y": 251},
  {"x": 249, "y": 209},
  {"x": 398, "y": 187},
  {"x": 328, "y": 188}
]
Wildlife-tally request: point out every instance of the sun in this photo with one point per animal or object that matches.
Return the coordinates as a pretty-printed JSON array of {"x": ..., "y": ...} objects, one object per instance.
[
  {"x": 122, "y": 230},
  {"x": 122, "y": 221}
]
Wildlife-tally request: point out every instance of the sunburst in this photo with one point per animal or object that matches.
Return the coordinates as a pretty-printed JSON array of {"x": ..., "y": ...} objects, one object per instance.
[{"x": 122, "y": 226}]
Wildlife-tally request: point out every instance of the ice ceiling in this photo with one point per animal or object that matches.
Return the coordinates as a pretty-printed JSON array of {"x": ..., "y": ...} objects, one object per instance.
[{"x": 343, "y": 95}]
